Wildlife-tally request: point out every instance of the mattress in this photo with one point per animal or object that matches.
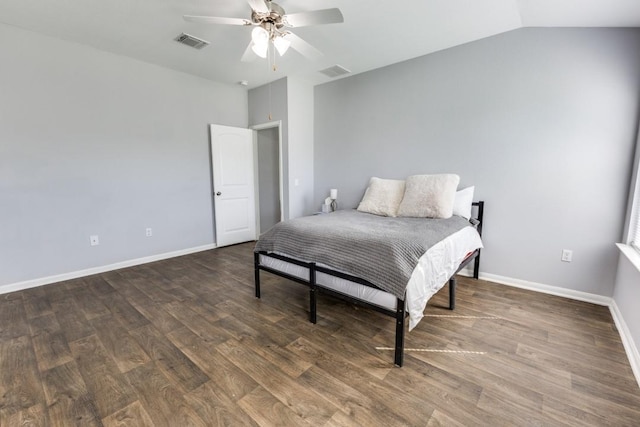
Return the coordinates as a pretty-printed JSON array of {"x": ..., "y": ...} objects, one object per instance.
[{"x": 432, "y": 272}]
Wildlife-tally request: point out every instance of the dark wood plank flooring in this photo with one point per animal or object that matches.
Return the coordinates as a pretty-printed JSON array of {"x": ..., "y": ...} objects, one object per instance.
[{"x": 183, "y": 342}]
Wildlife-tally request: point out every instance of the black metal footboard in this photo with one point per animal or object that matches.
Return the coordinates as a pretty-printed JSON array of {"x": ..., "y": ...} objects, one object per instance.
[
  {"x": 311, "y": 282},
  {"x": 399, "y": 313}
]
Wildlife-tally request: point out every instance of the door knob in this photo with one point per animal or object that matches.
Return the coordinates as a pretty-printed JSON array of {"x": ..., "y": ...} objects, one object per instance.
[{"x": 218, "y": 193}]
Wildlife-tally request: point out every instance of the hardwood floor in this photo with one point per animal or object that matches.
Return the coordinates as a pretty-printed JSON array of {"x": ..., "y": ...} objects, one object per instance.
[{"x": 183, "y": 342}]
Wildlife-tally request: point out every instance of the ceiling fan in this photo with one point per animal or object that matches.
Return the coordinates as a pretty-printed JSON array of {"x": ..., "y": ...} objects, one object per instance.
[{"x": 270, "y": 24}]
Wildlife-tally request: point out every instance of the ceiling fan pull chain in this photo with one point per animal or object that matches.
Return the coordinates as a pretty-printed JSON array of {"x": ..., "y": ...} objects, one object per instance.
[
  {"x": 270, "y": 101},
  {"x": 273, "y": 56}
]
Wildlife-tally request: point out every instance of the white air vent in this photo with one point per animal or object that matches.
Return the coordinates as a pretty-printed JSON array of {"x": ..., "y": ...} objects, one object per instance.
[
  {"x": 335, "y": 71},
  {"x": 191, "y": 41}
]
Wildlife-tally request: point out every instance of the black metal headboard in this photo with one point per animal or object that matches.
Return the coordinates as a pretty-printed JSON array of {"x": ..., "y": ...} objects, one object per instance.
[{"x": 480, "y": 216}]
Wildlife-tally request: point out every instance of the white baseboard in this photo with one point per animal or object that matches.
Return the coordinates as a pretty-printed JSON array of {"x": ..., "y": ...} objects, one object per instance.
[
  {"x": 627, "y": 340},
  {"x": 13, "y": 287},
  {"x": 545, "y": 289},
  {"x": 625, "y": 335}
]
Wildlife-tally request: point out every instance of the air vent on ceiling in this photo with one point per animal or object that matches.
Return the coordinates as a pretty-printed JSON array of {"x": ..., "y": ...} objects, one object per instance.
[
  {"x": 335, "y": 71},
  {"x": 191, "y": 41}
]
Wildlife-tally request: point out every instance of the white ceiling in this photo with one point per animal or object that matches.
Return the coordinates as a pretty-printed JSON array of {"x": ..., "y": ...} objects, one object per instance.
[{"x": 373, "y": 35}]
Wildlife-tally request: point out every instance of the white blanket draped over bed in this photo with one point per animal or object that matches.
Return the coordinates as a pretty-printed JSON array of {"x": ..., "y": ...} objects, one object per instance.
[{"x": 435, "y": 268}]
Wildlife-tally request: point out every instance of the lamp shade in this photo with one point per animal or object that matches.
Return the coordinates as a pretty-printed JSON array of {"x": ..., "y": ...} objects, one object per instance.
[
  {"x": 260, "y": 36},
  {"x": 281, "y": 44},
  {"x": 260, "y": 49}
]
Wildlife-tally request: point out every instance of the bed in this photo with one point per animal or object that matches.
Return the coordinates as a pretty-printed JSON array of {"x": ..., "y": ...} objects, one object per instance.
[{"x": 392, "y": 265}]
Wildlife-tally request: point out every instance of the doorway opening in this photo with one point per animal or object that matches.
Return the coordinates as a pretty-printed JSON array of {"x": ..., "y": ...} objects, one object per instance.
[{"x": 268, "y": 175}]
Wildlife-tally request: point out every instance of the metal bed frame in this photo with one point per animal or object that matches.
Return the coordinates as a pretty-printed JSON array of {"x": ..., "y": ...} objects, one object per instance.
[{"x": 399, "y": 313}]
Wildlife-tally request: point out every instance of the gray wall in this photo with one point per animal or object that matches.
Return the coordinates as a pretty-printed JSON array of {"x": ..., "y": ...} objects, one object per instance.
[
  {"x": 266, "y": 104},
  {"x": 94, "y": 143},
  {"x": 541, "y": 121},
  {"x": 302, "y": 200},
  {"x": 274, "y": 101}
]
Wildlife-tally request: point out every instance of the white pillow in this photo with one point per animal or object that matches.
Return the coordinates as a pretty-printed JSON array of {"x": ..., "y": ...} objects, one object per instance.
[
  {"x": 382, "y": 197},
  {"x": 463, "y": 202},
  {"x": 429, "y": 196}
]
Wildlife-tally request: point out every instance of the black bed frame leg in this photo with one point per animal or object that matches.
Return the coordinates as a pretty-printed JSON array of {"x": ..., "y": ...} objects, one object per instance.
[
  {"x": 400, "y": 316},
  {"x": 313, "y": 314},
  {"x": 452, "y": 293},
  {"x": 312, "y": 306},
  {"x": 256, "y": 267},
  {"x": 476, "y": 263},
  {"x": 476, "y": 266}
]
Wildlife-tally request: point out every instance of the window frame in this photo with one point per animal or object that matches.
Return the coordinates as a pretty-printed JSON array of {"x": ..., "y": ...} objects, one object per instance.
[
  {"x": 632, "y": 229},
  {"x": 634, "y": 223}
]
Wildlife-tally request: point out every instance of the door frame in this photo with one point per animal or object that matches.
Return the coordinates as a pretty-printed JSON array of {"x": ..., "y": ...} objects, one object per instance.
[{"x": 263, "y": 126}]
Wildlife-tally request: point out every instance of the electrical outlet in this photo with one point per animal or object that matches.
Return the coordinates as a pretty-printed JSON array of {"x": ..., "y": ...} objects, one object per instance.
[
  {"x": 149, "y": 232},
  {"x": 567, "y": 255},
  {"x": 94, "y": 240}
]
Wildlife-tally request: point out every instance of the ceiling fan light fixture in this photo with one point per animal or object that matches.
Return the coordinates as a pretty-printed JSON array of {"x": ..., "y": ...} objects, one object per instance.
[
  {"x": 269, "y": 21},
  {"x": 260, "y": 36},
  {"x": 260, "y": 49},
  {"x": 281, "y": 44}
]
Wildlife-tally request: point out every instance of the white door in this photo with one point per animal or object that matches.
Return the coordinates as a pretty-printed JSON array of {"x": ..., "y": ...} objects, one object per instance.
[{"x": 233, "y": 184}]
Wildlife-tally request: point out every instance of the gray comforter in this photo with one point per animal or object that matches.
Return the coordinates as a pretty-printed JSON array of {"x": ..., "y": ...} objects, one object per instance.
[{"x": 381, "y": 250}]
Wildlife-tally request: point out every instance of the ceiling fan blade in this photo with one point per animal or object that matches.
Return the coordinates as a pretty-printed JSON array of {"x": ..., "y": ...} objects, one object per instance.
[
  {"x": 316, "y": 17},
  {"x": 259, "y": 6},
  {"x": 303, "y": 47},
  {"x": 216, "y": 20},
  {"x": 248, "y": 55}
]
